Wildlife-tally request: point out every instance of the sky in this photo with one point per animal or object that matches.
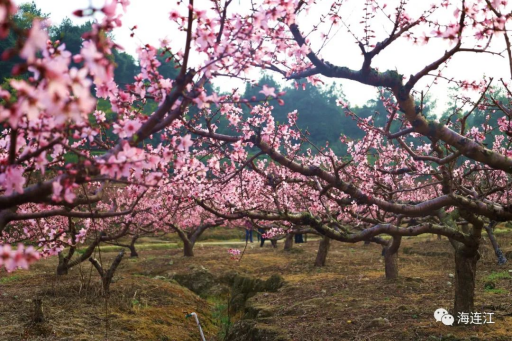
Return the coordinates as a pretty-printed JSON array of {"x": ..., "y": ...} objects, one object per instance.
[{"x": 151, "y": 18}]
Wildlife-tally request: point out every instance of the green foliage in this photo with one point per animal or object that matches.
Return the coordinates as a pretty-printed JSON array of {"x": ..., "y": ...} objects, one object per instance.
[
  {"x": 320, "y": 117},
  {"x": 126, "y": 69},
  {"x": 497, "y": 291},
  {"x": 8, "y": 279},
  {"x": 167, "y": 69},
  {"x": 220, "y": 315},
  {"x": 27, "y": 12},
  {"x": 318, "y": 113},
  {"x": 66, "y": 33},
  {"x": 70, "y": 34},
  {"x": 498, "y": 275},
  {"x": 475, "y": 117}
]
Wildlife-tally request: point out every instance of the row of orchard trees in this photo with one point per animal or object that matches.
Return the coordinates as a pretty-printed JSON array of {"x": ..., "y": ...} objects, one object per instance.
[{"x": 70, "y": 175}]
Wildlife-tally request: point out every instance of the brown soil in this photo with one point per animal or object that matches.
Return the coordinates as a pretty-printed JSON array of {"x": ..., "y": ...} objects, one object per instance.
[{"x": 336, "y": 302}]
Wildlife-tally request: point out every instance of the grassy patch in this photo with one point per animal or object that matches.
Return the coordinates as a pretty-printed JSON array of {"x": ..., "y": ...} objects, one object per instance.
[
  {"x": 501, "y": 231},
  {"x": 497, "y": 276},
  {"x": 224, "y": 234},
  {"x": 141, "y": 247},
  {"x": 220, "y": 315},
  {"x": 498, "y": 291},
  {"x": 5, "y": 280}
]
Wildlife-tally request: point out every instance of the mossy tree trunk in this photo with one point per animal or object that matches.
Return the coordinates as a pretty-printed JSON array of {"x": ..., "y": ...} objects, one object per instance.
[
  {"x": 38, "y": 316},
  {"x": 323, "y": 250},
  {"x": 188, "y": 248},
  {"x": 391, "y": 258},
  {"x": 131, "y": 247},
  {"x": 465, "y": 277},
  {"x": 288, "y": 242},
  {"x": 466, "y": 258}
]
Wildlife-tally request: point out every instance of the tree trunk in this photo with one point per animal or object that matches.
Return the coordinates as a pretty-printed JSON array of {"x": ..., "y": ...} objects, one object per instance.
[
  {"x": 502, "y": 260},
  {"x": 323, "y": 249},
  {"x": 62, "y": 267},
  {"x": 106, "y": 277},
  {"x": 391, "y": 258},
  {"x": 65, "y": 262},
  {"x": 465, "y": 275},
  {"x": 188, "y": 248},
  {"x": 133, "y": 251},
  {"x": 391, "y": 265},
  {"x": 288, "y": 242},
  {"x": 38, "y": 316}
]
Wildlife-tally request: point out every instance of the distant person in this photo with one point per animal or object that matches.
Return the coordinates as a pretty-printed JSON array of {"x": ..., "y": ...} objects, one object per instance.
[
  {"x": 299, "y": 238},
  {"x": 248, "y": 231},
  {"x": 261, "y": 232}
]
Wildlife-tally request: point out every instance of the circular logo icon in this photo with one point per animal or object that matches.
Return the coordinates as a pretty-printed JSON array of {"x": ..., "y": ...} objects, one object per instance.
[{"x": 439, "y": 313}]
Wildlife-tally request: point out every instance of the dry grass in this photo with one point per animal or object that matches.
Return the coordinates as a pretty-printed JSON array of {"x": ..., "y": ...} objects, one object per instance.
[
  {"x": 138, "y": 307},
  {"x": 334, "y": 302}
]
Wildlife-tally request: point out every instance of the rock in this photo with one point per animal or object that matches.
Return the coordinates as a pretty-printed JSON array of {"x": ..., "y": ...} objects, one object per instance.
[
  {"x": 228, "y": 277},
  {"x": 219, "y": 290},
  {"x": 379, "y": 322},
  {"x": 245, "y": 287},
  {"x": 237, "y": 302},
  {"x": 159, "y": 277},
  {"x": 198, "y": 267},
  {"x": 449, "y": 283},
  {"x": 253, "y": 310},
  {"x": 274, "y": 283},
  {"x": 451, "y": 275},
  {"x": 199, "y": 281}
]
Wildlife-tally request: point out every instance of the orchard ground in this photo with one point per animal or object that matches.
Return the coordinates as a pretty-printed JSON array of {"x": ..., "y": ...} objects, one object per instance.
[{"x": 347, "y": 299}]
